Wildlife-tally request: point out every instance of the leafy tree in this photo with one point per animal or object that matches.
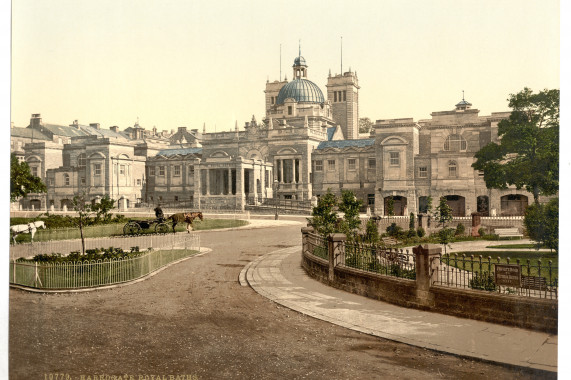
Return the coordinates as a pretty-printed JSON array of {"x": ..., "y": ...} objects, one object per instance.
[
  {"x": 528, "y": 153},
  {"x": 390, "y": 207},
  {"x": 84, "y": 211},
  {"x": 542, "y": 223},
  {"x": 350, "y": 206},
  {"x": 371, "y": 231},
  {"x": 443, "y": 215},
  {"x": 102, "y": 209},
  {"x": 365, "y": 125},
  {"x": 324, "y": 217},
  {"x": 22, "y": 182}
]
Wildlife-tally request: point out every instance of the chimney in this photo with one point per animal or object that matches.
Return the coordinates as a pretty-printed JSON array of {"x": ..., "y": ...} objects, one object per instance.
[
  {"x": 182, "y": 129},
  {"x": 95, "y": 125},
  {"x": 75, "y": 124},
  {"x": 114, "y": 128},
  {"x": 36, "y": 120}
]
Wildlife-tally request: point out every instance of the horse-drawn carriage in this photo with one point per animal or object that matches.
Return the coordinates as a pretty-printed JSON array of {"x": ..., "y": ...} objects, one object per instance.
[{"x": 134, "y": 227}]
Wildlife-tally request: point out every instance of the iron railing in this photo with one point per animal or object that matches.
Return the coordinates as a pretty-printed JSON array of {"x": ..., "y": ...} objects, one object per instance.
[
  {"x": 317, "y": 246},
  {"x": 379, "y": 259},
  {"x": 538, "y": 279},
  {"x": 85, "y": 274}
]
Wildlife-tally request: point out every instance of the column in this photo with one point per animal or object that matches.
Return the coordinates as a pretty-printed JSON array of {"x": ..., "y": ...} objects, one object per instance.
[
  {"x": 229, "y": 181},
  {"x": 293, "y": 160},
  {"x": 207, "y": 181},
  {"x": 282, "y": 170}
]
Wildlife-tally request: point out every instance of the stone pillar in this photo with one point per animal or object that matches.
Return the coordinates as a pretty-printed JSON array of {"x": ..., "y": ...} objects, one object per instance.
[
  {"x": 423, "y": 221},
  {"x": 305, "y": 231},
  {"x": 293, "y": 169},
  {"x": 476, "y": 223},
  {"x": 282, "y": 171},
  {"x": 229, "y": 181},
  {"x": 427, "y": 266},
  {"x": 122, "y": 203},
  {"x": 64, "y": 208},
  {"x": 52, "y": 208},
  {"x": 207, "y": 181},
  {"x": 335, "y": 246}
]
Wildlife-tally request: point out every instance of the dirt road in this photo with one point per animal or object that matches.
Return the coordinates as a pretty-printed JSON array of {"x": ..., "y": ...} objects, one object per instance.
[{"x": 194, "y": 319}]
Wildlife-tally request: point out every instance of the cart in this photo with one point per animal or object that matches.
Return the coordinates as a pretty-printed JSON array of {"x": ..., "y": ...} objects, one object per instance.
[{"x": 134, "y": 227}]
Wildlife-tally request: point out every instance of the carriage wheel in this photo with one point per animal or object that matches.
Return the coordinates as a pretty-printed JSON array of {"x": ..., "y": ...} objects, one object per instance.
[
  {"x": 162, "y": 228},
  {"x": 131, "y": 228}
]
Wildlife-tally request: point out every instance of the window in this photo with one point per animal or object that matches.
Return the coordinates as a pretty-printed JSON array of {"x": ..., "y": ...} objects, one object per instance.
[
  {"x": 66, "y": 179},
  {"x": 272, "y": 100},
  {"x": 423, "y": 172},
  {"x": 191, "y": 171},
  {"x": 82, "y": 180},
  {"x": 452, "y": 169},
  {"x": 177, "y": 171},
  {"x": 335, "y": 96},
  {"x": 138, "y": 182},
  {"x": 394, "y": 158},
  {"x": 121, "y": 169},
  {"x": 371, "y": 199},
  {"x": 331, "y": 164},
  {"x": 51, "y": 181},
  {"x": 480, "y": 173},
  {"x": 372, "y": 163},
  {"x": 81, "y": 160},
  {"x": 34, "y": 170},
  {"x": 151, "y": 170},
  {"x": 352, "y": 163},
  {"x": 161, "y": 171},
  {"x": 176, "y": 198},
  {"x": 97, "y": 169},
  {"x": 344, "y": 96},
  {"x": 455, "y": 143},
  {"x": 289, "y": 110},
  {"x": 318, "y": 165}
]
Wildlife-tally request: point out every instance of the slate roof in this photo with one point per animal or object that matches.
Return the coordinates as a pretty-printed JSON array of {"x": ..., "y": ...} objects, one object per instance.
[
  {"x": 28, "y": 133},
  {"x": 330, "y": 133},
  {"x": 62, "y": 130},
  {"x": 362, "y": 143},
  {"x": 104, "y": 132},
  {"x": 181, "y": 151}
]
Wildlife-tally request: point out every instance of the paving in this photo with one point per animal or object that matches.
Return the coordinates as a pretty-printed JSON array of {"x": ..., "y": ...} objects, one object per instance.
[{"x": 279, "y": 277}]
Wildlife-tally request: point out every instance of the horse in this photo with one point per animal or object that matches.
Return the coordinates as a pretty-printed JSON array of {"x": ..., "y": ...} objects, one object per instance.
[
  {"x": 187, "y": 217},
  {"x": 30, "y": 228}
]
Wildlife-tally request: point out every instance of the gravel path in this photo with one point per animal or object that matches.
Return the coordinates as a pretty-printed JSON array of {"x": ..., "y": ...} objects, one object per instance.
[{"x": 195, "y": 319}]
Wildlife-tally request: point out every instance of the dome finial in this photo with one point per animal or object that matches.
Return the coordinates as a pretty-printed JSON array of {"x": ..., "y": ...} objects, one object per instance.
[
  {"x": 299, "y": 48},
  {"x": 462, "y": 94}
]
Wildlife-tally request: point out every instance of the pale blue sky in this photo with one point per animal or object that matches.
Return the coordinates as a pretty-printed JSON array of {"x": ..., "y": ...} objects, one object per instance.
[{"x": 185, "y": 63}]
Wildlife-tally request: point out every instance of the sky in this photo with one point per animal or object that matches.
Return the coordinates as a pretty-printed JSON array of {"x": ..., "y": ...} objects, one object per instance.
[{"x": 175, "y": 63}]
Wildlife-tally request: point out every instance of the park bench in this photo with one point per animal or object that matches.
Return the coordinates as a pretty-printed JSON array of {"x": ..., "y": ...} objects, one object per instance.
[
  {"x": 508, "y": 232},
  {"x": 533, "y": 283},
  {"x": 390, "y": 241}
]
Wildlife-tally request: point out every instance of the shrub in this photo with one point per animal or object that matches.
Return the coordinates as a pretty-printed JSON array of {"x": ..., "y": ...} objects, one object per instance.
[
  {"x": 483, "y": 281},
  {"x": 371, "y": 232},
  {"x": 420, "y": 232},
  {"x": 412, "y": 233},
  {"x": 481, "y": 231},
  {"x": 460, "y": 229},
  {"x": 394, "y": 230}
]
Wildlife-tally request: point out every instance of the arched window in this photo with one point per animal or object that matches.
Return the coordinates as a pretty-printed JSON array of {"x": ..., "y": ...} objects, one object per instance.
[
  {"x": 66, "y": 179},
  {"x": 452, "y": 169},
  {"x": 455, "y": 143},
  {"x": 81, "y": 160}
]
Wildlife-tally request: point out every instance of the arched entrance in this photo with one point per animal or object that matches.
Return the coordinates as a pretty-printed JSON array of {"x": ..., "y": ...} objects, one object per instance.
[
  {"x": 483, "y": 205},
  {"x": 513, "y": 205},
  {"x": 457, "y": 203},
  {"x": 67, "y": 203},
  {"x": 35, "y": 204},
  {"x": 399, "y": 205}
]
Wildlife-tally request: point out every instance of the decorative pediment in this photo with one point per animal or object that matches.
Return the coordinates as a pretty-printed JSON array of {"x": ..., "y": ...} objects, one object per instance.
[
  {"x": 219, "y": 154},
  {"x": 33, "y": 159},
  {"x": 97, "y": 155},
  {"x": 287, "y": 151},
  {"x": 394, "y": 140}
]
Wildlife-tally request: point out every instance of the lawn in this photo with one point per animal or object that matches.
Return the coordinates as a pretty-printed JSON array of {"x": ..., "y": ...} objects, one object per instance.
[
  {"x": 106, "y": 230},
  {"x": 531, "y": 269},
  {"x": 515, "y": 246}
]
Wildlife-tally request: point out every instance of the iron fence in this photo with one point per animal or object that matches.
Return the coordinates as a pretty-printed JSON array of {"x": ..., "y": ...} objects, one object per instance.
[
  {"x": 84, "y": 274},
  {"x": 125, "y": 242},
  {"x": 379, "y": 259},
  {"x": 531, "y": 279},
  {"x": 317, "y": 246}
]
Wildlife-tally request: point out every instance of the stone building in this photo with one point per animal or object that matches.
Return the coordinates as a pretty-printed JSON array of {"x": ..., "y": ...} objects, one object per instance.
[{"x": 306, "y": 144}]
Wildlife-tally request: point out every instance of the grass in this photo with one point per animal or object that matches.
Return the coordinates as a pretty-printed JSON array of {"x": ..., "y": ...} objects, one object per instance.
[
  {"x": 515, "y": 246},
  {"x": 107, "y": 230},
  {"x": 523, "y": 256}
]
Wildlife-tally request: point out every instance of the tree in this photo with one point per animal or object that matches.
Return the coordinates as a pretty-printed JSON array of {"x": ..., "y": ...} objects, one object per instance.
[
  {"x": 324, "y": 217},
  {"x": 102, "y": 209},
  {"x": 443, "y": 215},
  {"x": 372, "y": 232},
  {"x": 350, "y": 206},
  {"x": 84, "y": 211},
  {"x": 365, "y": 125},
  {"x": 22, "y": 182},
  {"x": 542, "y": 223},
  {"x": 528, "y": 153}
]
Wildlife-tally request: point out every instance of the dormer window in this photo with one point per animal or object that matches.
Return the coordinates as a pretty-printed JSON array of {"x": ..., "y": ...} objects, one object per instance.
[{"x": 455, "y": 143}]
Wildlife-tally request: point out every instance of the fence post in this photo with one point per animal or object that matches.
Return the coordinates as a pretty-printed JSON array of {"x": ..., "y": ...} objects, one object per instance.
[
  {"x": 335, "y": 241},
  {"x": 305, "y": 231},
  {"x": 427, "y": 265}
]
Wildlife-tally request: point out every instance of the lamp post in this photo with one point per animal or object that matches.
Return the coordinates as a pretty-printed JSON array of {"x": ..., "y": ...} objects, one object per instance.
[{"x": 276, "y": 197}]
